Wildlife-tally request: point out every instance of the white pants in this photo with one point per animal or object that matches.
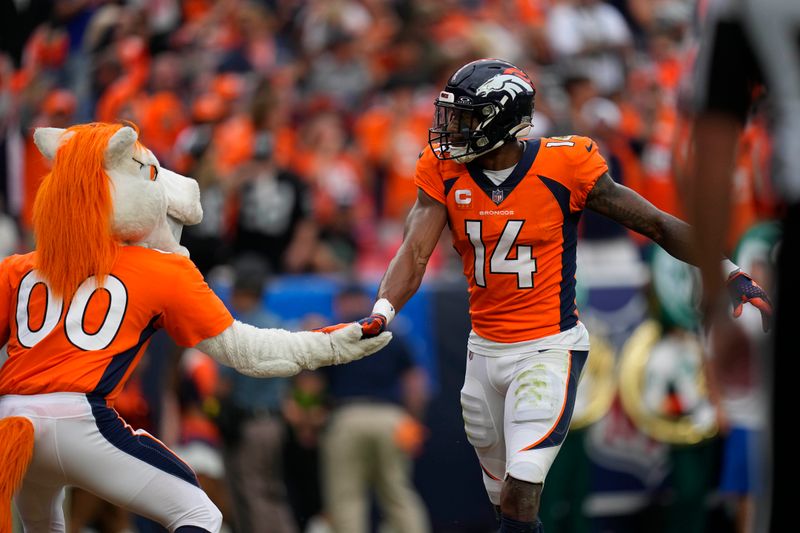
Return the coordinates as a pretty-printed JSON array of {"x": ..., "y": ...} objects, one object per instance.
[
  {"x": 517, "y": 410},
  {"x": 83, "y": 443}
]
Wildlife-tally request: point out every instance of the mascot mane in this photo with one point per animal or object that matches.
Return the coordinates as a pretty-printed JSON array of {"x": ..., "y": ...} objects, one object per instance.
[{"x": 72, "y": 214}]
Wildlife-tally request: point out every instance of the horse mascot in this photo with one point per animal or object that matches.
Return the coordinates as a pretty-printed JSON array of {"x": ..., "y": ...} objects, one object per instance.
[{"x": 77, "y": 314}]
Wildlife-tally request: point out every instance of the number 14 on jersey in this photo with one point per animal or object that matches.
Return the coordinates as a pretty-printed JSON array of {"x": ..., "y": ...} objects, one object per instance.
[{"x": 523, "y": 265}]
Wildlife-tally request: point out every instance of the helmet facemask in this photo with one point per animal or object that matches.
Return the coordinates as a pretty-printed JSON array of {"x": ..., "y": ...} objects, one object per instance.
[
  {"x": 460, "y": 131},
  {"x": 464, "y": 132}
]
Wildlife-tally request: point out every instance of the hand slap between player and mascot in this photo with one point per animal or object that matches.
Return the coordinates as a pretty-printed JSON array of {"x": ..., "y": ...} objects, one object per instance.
[{"x": 151, "y": 213}]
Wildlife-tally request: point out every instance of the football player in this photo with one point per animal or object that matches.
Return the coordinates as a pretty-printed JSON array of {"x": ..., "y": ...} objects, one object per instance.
[{"x": 513, "y": 205}]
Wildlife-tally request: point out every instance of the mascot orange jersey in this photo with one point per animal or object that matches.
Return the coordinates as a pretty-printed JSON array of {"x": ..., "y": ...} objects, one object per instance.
[
  {"x": 518, "y": 240},
  {"x": 92, "y": 342}
]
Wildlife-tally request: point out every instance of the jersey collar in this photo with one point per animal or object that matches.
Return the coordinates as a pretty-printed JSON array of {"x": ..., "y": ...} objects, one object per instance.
[{"x": 498, "y": 193}]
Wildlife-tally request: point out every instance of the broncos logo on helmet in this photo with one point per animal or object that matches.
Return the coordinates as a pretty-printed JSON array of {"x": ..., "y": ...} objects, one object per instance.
[{"x": 510, "y": 84}]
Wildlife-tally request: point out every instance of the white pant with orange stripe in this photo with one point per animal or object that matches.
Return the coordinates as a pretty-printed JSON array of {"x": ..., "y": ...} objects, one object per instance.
[
  {"x": 78, "y": 441},
  {"x": 517, "y": 410}
]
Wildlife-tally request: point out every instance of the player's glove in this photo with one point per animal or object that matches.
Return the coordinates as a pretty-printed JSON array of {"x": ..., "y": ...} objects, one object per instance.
[
  {"x": 373, "y": 325},
  {"x": 742, "y": 289}
]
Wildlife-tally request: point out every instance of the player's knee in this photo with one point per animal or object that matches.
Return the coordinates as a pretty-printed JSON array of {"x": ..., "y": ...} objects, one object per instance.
[
  {"x": 520, "y": 499},
  {"x": 532, "y": 469},
  {"x": 478, "y": 423}
]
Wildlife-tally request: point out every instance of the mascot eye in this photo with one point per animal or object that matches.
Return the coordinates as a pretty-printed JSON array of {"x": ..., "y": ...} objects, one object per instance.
[{"x": 153, "y": 169}]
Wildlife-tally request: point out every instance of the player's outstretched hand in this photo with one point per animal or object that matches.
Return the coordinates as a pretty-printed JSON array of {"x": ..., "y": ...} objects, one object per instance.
[
  {"x": 349, "y": 342},
  {"x": 373, "y": 325},
  {"x": 742, "y": 289}
]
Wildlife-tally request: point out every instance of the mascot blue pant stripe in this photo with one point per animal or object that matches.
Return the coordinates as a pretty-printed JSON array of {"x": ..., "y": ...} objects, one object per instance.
[
  {"x": 120, "y": 363},
  {"x": 142, "y": 446}
]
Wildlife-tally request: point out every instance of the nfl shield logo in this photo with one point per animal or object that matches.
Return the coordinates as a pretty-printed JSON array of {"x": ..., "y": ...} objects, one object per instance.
[{"x": 497, "y": 196}]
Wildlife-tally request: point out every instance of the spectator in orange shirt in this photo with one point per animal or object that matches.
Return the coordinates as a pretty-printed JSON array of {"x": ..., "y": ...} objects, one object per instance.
[
  {"x": 388, "y": 135},
  {"x": 57, "y": 110},
  {"x": 163, "y": 114}
]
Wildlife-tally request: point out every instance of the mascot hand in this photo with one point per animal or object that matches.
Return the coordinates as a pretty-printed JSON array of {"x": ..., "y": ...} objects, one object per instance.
[
  {"x": 349, "y": 342},
  {"x": 742, "y": 289}
]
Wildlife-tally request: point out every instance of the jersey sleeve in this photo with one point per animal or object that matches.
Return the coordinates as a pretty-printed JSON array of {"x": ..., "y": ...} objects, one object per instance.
[
  {"x": 587, "y": 165},
  {"x": 191, "y": 310},
  {"x": 427, "y": 176}
]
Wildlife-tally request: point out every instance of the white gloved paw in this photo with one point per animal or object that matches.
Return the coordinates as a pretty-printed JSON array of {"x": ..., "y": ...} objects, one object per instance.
[{"x": 347, "y": 344}]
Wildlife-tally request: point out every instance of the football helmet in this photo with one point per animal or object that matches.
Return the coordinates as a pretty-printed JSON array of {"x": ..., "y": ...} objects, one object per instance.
[{"x": 484, "y": 104}]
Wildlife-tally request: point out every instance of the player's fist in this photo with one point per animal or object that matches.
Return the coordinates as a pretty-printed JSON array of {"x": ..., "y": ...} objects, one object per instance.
[
  {"x": 373, "y": 325},
  {"x": 742, "y": 289}
]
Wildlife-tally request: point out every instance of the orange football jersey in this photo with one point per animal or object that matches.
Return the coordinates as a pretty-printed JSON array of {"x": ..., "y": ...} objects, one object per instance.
[
  {"x": 518, "y": 240},
  {"x": 92, "y": 343}
]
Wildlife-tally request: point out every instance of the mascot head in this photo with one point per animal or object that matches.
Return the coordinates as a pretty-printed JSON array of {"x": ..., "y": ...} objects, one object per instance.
[{"x": 105, "y": 190}]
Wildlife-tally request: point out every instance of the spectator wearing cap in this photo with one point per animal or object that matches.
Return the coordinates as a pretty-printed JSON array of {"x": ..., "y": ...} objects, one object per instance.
[{"x": 250, "y": 420}]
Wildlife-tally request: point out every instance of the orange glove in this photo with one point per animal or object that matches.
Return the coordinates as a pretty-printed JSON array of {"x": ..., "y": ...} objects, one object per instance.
[{"x": 373, "y": 325}]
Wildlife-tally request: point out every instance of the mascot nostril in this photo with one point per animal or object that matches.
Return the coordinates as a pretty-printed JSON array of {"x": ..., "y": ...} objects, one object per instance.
[{"x": 109, "y": 217}]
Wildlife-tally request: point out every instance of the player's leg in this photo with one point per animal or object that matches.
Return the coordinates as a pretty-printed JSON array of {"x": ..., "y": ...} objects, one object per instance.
[
  {"x": 482, "y": 406},
  {"x": 538, "y": 411},
  {"x": 102, "y": 454},
  {"x": 346, "y": 470},
  {"x": 394, "y": 486}
]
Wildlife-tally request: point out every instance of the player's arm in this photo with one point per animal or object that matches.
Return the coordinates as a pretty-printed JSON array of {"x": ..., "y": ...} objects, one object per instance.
[
  {"x": 423, "y": 227},
  {"x": 630, "y": 209},
  {"x": 633, "y": 211}
]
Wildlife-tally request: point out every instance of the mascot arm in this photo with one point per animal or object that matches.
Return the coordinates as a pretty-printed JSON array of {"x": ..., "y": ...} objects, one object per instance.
[{"x": 261, "y": 352}]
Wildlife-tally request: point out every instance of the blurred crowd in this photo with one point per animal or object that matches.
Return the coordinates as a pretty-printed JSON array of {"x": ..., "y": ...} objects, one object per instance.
[{"x": 302, "y": 121}]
